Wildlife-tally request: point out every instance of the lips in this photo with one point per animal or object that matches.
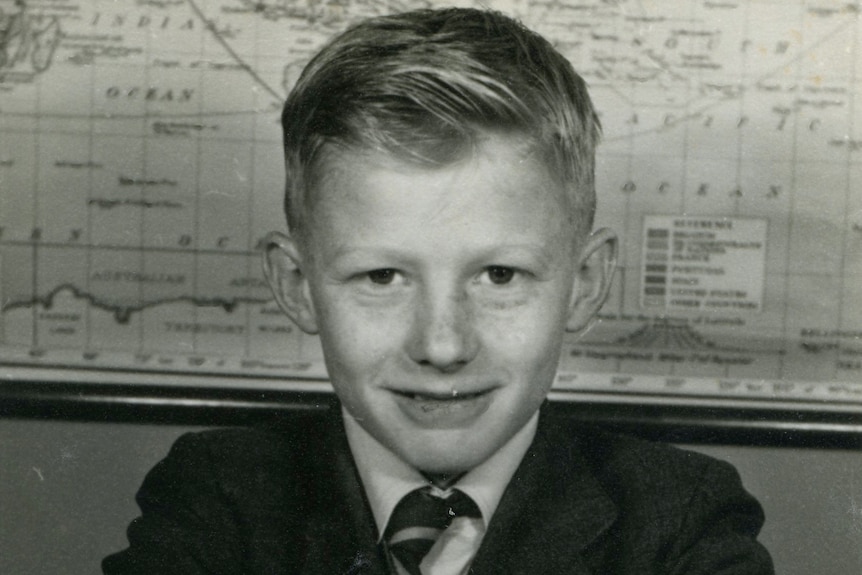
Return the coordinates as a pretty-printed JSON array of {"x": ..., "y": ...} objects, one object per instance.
[
  {"x": 454, "y": 396},
  {"x": 434, "y": 410}
]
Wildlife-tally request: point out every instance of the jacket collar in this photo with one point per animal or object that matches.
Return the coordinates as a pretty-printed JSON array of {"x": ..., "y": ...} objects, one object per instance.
[
  {"x": 552, "y": 512},
  {"x": 341, "y": 534}
]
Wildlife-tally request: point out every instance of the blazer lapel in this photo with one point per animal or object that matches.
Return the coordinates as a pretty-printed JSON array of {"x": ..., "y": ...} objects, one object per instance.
[
  {"x": 551, "y": 512},
  {"x": 341, "y": 534}
]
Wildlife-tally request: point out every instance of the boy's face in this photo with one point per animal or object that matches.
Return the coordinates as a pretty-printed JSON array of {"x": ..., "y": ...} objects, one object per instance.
[{"x": 441, "y": 296}]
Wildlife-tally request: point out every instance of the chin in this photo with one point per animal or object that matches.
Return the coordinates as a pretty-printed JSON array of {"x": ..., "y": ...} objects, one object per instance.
[{"x": 446, "y": 462}]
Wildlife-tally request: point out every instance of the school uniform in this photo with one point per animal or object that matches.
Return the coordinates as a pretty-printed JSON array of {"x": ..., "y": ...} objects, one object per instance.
[{"x": 290, "y": 499}]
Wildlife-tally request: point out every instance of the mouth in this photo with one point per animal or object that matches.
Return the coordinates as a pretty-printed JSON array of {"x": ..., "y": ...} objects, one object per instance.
[
  {"x": 443, "y": 410},
  {"x": 452, "y": 396}
]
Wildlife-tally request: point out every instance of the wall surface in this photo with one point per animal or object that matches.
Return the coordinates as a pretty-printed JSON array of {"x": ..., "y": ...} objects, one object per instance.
[{"x": 67, "y": 494}]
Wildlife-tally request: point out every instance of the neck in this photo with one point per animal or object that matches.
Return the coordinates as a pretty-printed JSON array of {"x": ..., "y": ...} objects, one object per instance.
[{"x": 443, "y": 480}]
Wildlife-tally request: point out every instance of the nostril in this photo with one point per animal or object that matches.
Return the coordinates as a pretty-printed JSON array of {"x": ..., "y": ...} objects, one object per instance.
[{"x": 444, "y": 367}]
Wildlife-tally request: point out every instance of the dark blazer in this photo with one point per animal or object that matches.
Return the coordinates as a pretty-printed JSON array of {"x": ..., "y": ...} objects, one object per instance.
[{"x": 289, "y": 500}]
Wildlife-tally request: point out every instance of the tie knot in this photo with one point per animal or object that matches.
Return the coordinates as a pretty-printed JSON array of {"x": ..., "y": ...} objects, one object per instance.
[
  {"x": 419, "y": 519},
  {"x": 420, "y": 508}
]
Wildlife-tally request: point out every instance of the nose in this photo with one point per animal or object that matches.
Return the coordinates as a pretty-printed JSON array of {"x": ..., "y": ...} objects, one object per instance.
[{"x": 443, "y": 332}]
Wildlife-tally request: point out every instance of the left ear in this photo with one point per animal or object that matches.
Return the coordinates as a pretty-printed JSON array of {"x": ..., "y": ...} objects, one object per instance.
[{"x": 595, "y": 270}]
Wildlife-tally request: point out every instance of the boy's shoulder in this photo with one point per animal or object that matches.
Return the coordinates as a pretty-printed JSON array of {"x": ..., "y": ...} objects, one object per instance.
[
  {"x": 619, "y": 461},
  {"x": 610, "y": 453},
  {"x": 643, "y": 477},
  {"x": 288, "y": 441},
  {"x": 273, "y": 474},
  {"x": 617, "y": 455},
  {"x": 225, "y": 499},
  {"x": 650, "y": 499},
  {"x": 308, "y": 453}
]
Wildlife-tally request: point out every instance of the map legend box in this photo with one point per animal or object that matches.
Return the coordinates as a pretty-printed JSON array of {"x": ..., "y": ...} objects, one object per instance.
[{"x": 703, "y": 263}]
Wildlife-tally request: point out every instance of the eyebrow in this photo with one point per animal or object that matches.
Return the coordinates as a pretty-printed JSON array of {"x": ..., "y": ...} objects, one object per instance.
[
  {"x": 539, "y": 252},
  {"x": 499, "y": 252}
]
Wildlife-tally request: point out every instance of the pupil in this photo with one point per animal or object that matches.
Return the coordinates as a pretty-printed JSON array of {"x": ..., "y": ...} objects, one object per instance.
[
  {"x": 383, "y": 276},
  {"x": 500, "y": 275}
]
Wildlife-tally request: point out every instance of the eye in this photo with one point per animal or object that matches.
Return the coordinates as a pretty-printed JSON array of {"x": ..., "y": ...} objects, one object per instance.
[
  {"x": 383, "y": 276},
  {"x": 500, "y": 275}
]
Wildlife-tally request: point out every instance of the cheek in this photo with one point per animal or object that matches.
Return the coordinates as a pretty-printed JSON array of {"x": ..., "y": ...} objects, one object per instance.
[
  {"x": 529, "y": 351},
  {"x": 534, "y": 325},
  {"x": 356, "y": 340}
]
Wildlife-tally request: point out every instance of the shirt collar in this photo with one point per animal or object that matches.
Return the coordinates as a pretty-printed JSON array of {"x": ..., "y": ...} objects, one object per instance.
[{"x": 387, "y": 479}]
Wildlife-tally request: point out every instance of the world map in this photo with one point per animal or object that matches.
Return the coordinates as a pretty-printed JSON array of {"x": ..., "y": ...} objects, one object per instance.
[{"x": 140, "y": 166}]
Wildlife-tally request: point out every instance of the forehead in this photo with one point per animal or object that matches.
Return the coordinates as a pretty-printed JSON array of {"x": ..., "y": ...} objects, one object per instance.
[
  {"x": 497, "y": 167},
  {"x": 498, "y": 197}
]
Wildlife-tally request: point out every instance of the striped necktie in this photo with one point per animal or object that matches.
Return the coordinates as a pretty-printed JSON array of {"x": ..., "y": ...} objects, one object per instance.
[{"x": 419, "y": 519}]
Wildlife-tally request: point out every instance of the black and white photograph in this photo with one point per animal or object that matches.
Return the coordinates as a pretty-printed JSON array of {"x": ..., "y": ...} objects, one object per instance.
[{"x": 414, "y": 287}]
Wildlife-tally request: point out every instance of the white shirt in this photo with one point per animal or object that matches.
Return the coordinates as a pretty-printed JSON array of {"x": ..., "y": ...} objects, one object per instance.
[{"x": 387, "y": 480}]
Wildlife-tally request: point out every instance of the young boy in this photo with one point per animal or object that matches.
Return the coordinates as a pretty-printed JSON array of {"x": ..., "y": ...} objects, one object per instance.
[{"x": 440, "y": 199}]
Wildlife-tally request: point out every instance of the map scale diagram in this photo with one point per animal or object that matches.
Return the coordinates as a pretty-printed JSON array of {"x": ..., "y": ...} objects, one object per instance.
[{"x": 140, "y": 167}]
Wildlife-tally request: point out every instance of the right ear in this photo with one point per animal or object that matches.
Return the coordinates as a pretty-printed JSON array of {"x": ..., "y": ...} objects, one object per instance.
[{"x": 282, "y": 266}]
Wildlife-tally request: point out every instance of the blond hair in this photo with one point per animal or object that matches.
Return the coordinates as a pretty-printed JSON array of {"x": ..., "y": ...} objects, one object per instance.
[{"x": 425, "y": 86}]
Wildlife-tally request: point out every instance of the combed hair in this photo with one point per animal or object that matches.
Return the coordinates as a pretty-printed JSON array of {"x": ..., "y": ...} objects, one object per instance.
[{"x": 425, "y": 87}]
